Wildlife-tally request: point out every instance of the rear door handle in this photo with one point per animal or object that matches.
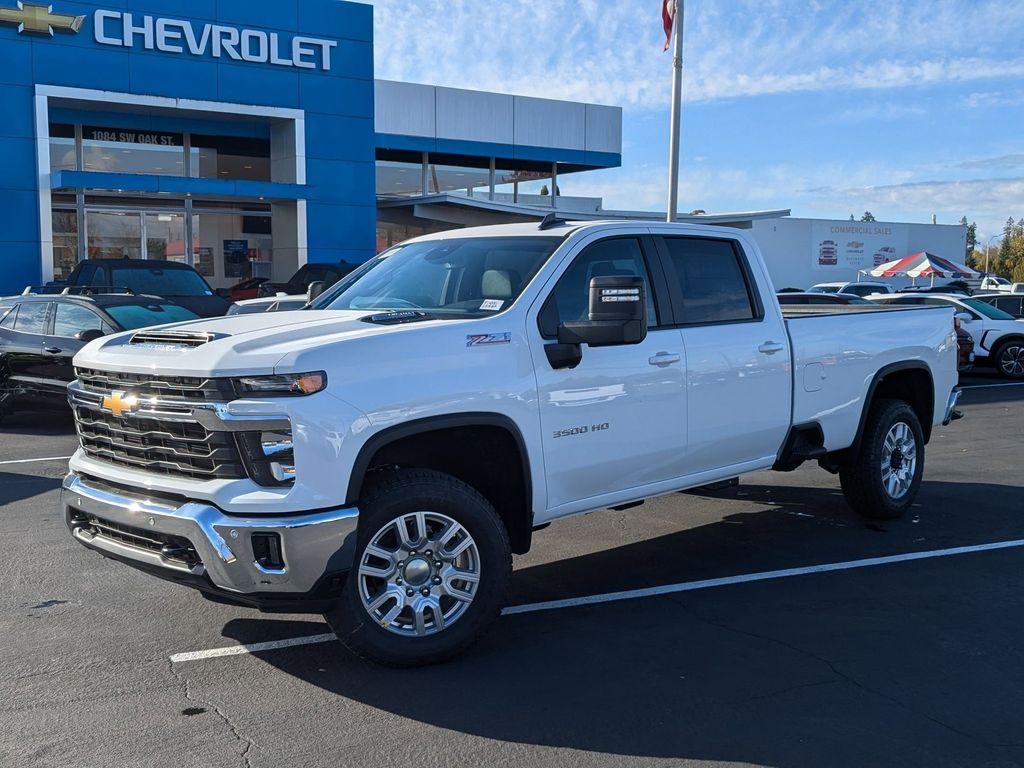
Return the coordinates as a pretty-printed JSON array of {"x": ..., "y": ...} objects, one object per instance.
[
  {"x": 663, "y": 359},
  {"x": 54, "y": 350},
  {"x": 770, "y": 348}
]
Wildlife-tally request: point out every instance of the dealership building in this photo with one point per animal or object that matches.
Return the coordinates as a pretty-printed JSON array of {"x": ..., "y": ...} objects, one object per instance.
[
  {"x": 246, "y": 137},
  {"x": 249, "y": 137}
]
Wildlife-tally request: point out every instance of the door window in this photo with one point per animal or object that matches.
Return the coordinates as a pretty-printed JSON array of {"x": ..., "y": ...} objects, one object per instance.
[
  {"x": 72, "y": 319},
  {"x": 9, "y": 314},
  {"x": 570, "y": 301},
  {"x": 712, "y": 281},
  {"x": 32, "y": 318}
]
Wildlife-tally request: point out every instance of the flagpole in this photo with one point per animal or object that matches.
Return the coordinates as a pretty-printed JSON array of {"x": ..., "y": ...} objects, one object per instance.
[{"x": 677, "y": 105}]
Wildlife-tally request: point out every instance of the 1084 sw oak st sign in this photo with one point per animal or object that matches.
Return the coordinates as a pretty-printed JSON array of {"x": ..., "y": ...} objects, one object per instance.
[{"x": 126, "y": 30}]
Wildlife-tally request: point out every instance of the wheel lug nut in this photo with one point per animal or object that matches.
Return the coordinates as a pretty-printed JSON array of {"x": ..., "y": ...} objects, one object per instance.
[
  {"x": 428, "y": 553},
  {"x": 438, "y": 564},
  {"x": 409, "y": 593},
  {"x": 437, "y": 579},
  {"x": 398, "y": 581},
  {"x": 413, "y": 553},
  {"x": 425, "y": 592}
]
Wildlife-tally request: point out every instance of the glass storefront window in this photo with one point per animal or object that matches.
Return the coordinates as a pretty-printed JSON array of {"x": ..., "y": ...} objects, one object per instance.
[
  {"x": 119, "y": 150},
  {"x": 62, "y": 148},
  {"x": 395, "y": 179},
  {"x": 113, "y": 234},
  {"x": 455, "y": 178},
  {"x": 165, "y": 236},
  {"x": 232, "y": 247},
  {"x": 229, "y": 157},
  {"x": 65, "y": 242}
]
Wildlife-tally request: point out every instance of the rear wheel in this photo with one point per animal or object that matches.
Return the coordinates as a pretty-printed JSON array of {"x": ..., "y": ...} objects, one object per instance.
[
  {"x": 884, "y": 477},
  {"x": 1010, "y": 359},
  {"x": 432, "y": 566}
]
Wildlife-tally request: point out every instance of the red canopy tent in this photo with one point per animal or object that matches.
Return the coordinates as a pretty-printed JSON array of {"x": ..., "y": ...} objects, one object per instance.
[{"x": 924, "y": 264}]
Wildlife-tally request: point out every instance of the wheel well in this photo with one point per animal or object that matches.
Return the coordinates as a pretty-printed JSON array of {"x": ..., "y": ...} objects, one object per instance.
[
  {"x": 490, "y": 457},
  {"x": 913, "y": 385},
  {"x": 1002, "y": 342}
]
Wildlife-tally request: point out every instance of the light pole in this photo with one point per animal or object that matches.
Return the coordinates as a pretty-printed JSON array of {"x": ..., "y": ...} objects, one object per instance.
[
  {"x": 677, "y": 107},
  {"x": 987, "y": 249}
]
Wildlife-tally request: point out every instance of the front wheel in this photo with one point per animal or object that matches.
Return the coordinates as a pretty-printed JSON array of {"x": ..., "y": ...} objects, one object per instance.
[
  {"x": 432, "y": 566},
  {"x": 882, "y": 480},
  {"x": 1010, "y": 359}
]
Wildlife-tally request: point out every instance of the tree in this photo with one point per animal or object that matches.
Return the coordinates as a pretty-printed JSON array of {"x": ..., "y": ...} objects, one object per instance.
[
  {"x": 972, "y": 236},
  {"x": 544, "y": 191},
  {"x": 868, "y": 216}
]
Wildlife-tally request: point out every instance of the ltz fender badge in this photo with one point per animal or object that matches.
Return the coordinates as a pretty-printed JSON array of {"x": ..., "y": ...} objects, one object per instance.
[{"x": 488, "y": 339}]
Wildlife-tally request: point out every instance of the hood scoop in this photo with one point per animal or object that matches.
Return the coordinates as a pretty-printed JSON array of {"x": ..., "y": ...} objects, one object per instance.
[{"x": 175, "y": 339}]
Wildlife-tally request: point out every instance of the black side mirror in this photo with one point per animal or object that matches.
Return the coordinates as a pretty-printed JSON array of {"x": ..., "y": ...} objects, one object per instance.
[
  {"x": 316, "y": 288},
  {"x": 90, "y": 334},
  {"x": 618, "y": 314}
]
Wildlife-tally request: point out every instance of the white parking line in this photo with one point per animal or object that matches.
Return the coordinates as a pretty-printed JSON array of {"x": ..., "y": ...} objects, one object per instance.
[
  {"x": 31, "y": 461},
  {"x": 634, "y": 594}
]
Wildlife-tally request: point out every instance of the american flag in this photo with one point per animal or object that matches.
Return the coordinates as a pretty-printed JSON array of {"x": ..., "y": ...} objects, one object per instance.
[{"x": 668, "y": 13}]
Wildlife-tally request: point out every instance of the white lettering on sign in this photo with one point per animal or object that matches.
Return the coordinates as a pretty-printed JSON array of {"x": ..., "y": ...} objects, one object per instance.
[{"x": 126, "y": 30}]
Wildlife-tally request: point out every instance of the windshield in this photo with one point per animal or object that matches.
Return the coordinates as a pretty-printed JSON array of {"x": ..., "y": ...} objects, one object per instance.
[
  {"x": 983, "y": 308},
  {"x": 466, "y": 277},
  {"x": 134, "y": 316},
  {"x": 825, "y": 289},
  {"x": 161, "y": 282}
]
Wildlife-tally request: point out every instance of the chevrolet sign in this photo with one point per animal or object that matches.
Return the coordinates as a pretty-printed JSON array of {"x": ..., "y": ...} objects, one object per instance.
[
  {"x": 40, "y": 19},
  {"x": 126, "y": 30}
]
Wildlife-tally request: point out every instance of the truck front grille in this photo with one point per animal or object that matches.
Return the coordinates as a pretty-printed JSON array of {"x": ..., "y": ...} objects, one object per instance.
[
  {"x": 183, "y": 449},
  {"x": 184, "y": 388}
]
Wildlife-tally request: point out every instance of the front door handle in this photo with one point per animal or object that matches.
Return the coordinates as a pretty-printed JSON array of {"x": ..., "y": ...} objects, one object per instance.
[
  {"x": 54, "y": 350},
  {"x": 663, "y": 359},
  {"x": 770, "y": 348}
]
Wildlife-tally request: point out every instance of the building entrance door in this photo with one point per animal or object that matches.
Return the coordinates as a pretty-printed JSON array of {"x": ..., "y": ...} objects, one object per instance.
[{"x": 124, "y": 234}]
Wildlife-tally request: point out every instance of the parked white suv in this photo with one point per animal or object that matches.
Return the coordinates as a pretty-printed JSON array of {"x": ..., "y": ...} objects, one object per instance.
[
  {"x": 862, "y": 289},
  {"x": 380, "y": 459},
  {"x": 999, "y": 335}
]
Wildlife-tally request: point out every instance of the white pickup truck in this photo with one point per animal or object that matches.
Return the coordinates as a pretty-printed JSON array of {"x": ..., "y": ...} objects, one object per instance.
[{"x": 380, "y": 458}]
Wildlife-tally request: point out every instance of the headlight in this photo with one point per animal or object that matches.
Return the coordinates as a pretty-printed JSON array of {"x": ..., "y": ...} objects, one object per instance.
[
  {"x": 284, "y": 385},
  {"x": 269, "y": 456}
]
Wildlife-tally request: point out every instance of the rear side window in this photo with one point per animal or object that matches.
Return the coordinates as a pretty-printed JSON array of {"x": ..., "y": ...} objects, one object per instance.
[
  {"x": 570, "y": 301},
  {"x": 32, "y": 318},
  {"x": 712, "y": 280}
]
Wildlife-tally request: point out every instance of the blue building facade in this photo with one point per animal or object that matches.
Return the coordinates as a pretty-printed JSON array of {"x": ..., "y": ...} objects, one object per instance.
[{"x": 236, "y": 135}]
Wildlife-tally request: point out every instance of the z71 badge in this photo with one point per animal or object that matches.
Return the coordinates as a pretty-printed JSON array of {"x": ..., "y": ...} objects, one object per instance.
[{"x": 488, "y": 339}]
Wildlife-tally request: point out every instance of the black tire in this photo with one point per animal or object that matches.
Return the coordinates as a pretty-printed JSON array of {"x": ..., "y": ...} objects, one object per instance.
[
  {"x": 403, "y": 492},
  {"x": 862, "y": 479},
  {"x": 1009, "y": 359}
]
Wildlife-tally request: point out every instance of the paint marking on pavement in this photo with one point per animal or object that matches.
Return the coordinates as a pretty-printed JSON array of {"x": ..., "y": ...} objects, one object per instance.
[
  {"x": 30, "y": 461},
  {"x": 235, "y": 650},
  {"x": 634, "y": 594}
]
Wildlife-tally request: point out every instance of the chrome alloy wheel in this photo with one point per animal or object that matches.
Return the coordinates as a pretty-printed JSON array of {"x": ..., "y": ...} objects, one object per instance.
[
  {"x": 899, "y": 460},
  {"x": 419, "y": 574},
  {"x": 1011, "y": 360}
]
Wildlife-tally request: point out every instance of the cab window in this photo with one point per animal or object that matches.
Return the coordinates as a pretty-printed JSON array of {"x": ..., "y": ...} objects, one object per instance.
[
  {"x": 7, "y": 316},
  {"x": 71, "y": 319},
  {"x": 570, "y": 300},
  {"x": 32, "y": 318},
  {"x": 713, "y": 281}
]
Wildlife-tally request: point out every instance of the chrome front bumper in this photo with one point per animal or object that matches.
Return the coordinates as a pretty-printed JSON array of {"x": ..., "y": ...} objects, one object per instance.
[{"x": 312, "y": 545}]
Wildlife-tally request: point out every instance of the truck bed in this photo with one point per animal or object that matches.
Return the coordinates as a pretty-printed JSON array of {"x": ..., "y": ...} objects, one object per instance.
[{"x": 838, "y": 350}]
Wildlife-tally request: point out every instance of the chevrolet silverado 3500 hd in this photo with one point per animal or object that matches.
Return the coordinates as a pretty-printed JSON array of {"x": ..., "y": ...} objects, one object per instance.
[{"x": 380, "y": 458}]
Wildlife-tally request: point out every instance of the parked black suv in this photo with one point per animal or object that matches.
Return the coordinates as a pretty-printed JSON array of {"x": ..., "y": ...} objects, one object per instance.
[
  {"x": 41, "y": 333},
  {"x": 170, "y": 279}
]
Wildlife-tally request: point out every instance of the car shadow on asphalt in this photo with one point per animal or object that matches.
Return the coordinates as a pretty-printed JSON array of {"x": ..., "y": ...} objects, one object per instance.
[
  {"x": 38, "y": 422},
  {"x": 691, "y": 676},
  {"x": 16, "y": 487}
]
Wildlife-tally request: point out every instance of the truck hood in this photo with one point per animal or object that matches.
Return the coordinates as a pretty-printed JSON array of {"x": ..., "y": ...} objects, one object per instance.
[{"x": 251, "y": 344}]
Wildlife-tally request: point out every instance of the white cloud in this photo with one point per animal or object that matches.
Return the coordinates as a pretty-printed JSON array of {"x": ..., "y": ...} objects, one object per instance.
[{"x": 610, "y": 52}]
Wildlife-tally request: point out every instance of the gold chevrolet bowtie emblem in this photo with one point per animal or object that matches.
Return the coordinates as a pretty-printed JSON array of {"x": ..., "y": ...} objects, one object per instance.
[
  {"x": 40, "y": 19},
  {"x": 119, "y": 404}
]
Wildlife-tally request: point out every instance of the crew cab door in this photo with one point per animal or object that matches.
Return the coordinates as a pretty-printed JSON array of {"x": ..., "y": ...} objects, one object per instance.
[
  {"x": 739, "y": 382},
  {"x": 617, "y": 421}
]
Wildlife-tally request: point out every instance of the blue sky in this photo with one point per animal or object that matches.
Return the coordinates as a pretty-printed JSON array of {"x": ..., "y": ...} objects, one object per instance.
[{"x": 906, "y": 109}]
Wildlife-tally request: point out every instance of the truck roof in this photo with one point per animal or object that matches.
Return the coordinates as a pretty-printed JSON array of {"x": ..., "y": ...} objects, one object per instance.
[{"x": 567, "y": 227}]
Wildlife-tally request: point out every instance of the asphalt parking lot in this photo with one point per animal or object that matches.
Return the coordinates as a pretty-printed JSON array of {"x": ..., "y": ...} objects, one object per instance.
[{"x": 906, "y": 661}]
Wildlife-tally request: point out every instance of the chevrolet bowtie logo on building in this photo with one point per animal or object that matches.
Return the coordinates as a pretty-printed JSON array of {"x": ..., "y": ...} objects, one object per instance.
[
  {"x": 120, "y": 404},
  {"x": 40, "y": 19}
]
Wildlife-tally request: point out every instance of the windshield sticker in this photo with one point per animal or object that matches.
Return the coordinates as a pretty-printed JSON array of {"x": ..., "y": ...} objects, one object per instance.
[
  {"x": 488, "y": 339},
  {"x": 492, "y": 305}
]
